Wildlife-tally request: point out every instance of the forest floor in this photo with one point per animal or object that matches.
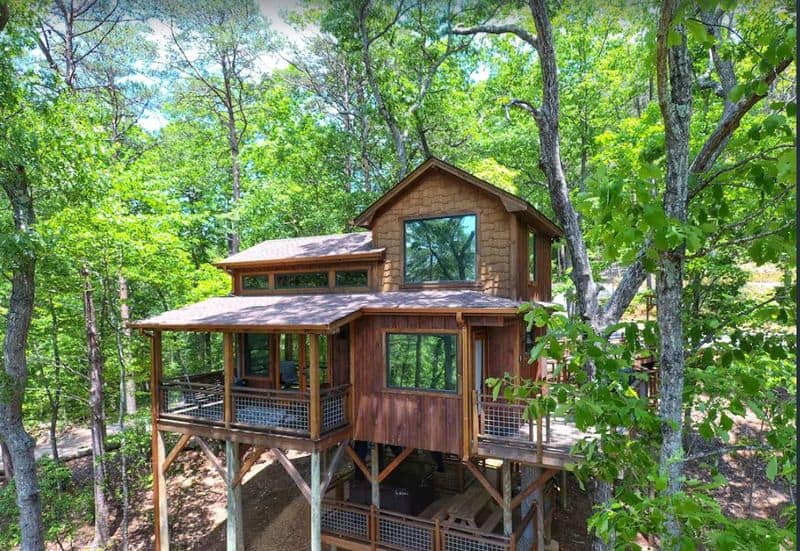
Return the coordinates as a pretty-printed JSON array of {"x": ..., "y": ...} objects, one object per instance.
[{"x": 276, "y": 516}]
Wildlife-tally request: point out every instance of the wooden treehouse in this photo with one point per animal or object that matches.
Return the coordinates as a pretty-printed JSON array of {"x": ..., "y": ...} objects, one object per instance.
[{"x": 369, "y": 351}]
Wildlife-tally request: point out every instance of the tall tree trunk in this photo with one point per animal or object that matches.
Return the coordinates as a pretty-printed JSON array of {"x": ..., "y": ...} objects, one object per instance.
[
  {"x": 14, "y": 182},
  {"x": 98, "y": 416},
  {"x": 233, "y": 147},
  {"x": 54, "y": 396},
  {"x": 127, "y": 380},
  {"x": 8, "y": 466},
  {"x": 674, "y": 87}
]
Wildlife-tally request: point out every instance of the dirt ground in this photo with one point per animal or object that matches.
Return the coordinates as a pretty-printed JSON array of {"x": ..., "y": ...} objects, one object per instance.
[{"x": 277, "y": 517}]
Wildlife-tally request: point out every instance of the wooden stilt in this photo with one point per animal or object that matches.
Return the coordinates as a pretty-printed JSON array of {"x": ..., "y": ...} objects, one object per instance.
[
  {"x": 160, "y": 524},
  {"x": 505, "y": 472},
  {"x": 235, "y": 527},
  {"x": 564, "y": 490},
  {"x": 374, "y": 466},
  {"x": 316, "y": 503}
]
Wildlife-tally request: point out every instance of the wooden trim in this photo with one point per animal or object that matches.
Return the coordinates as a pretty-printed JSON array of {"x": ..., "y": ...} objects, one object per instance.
[
  {"x": 389, "y": 469},
  {"x": 160, "y": 511},
  {"x": 212, "y": 458},
  {"x": 484, "y": 482},
  {"x": 184, "y": 439},
  {"x": 358, "y": 462},
  {"x": 466, "y": 368},
  {"x": 314, "y": 404},
  {"x": 372, "y": 255},
  {"x": 257, "y": 452},
  {"x": 535, "y": 485},
  {"x": 156, "y": 373},
  {"x": 293, "y": 473}
]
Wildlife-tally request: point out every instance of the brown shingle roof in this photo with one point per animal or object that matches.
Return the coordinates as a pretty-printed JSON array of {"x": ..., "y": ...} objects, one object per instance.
[
  {"x": 317, "y": 247},
  {"x": 316, "y": 313}
]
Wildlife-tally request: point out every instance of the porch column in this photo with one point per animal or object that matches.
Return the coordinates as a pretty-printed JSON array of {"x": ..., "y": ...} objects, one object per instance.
[
  {"x": 375, "y": 469},
  {"x": 160, "y": 524},
  {"x": 235, "y": 528},
  {"x": 505, "y": 473},
  {"x": 316, "y": 502},
  {"x": 228, "y": 371},
  {"x": 314, "y": 405}
]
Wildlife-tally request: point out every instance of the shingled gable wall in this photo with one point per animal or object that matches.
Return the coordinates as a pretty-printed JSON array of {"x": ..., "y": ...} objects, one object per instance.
[{"x": 439, "y": 194}]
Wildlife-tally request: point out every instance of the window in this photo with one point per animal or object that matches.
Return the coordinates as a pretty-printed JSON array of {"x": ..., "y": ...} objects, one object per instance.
[
  {"x": 301, "y": 281},
  {"x": 351, "y": 278},
  {"x": 531, "y": 256},
  {"x": 256, "y": 354},
  {"x": 440, "y": 249},
  {"x": 420, "y": 361},
  {"x": 255, "y": 282}
]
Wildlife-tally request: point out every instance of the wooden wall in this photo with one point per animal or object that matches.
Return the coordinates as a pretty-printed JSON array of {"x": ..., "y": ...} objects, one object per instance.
[
  {"x": 440, "y": 194},
  {"x": 425, "y": 420},
  {"x": 541, "y": 289}
]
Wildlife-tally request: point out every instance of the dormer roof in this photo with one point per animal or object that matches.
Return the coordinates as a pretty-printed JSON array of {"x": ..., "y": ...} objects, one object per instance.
[{"x": 511, "y": 202}]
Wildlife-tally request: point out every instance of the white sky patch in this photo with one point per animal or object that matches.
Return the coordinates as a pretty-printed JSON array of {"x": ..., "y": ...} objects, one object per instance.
[{"x": 152, "y": 121}]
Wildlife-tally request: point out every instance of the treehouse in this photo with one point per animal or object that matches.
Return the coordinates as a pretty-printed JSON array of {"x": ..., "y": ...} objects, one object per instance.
[{"x": 370, "y": 351}]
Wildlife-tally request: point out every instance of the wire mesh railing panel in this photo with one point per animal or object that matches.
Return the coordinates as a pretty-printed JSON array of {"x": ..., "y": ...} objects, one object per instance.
[
  {"x": 267, "y": 410},
  {"x": 199, "y": 401},
  {"x": 345, "y": 521},
  {"x": 334, "y": 405},
  {"x": 453, "y": 540},
  {"x": 412, "y": 534},
  {"x": 505, "y": 420}
]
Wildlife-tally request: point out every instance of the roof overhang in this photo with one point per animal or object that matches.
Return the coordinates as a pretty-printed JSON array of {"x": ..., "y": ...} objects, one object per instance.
[
  {"x": 511, "y": 202},
  {"x": 322, "y": 313}
]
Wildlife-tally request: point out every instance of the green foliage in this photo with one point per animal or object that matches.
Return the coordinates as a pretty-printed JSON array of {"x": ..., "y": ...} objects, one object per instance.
[{"x": 65, "y": 505}]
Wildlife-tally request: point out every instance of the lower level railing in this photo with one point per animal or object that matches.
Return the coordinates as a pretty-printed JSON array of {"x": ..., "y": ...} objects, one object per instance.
[
  {"x": 390, "y": 530},
  {"x": 282, "y": 411}
]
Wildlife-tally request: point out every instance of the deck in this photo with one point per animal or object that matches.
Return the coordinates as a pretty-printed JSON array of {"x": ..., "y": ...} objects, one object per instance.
[{"x": 505, "y": 431}]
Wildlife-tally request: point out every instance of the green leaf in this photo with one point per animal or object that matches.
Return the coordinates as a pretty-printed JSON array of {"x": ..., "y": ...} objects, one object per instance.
[
  {"x": 736, "y": 93},
  {"x": 772, "y": 468}
]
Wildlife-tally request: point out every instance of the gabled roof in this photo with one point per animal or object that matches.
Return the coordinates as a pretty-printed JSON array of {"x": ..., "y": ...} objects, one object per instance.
[
  {"x": 319, "y": 313},
  {"x": 511, "y": 202},
  {"x": 342, "y": 246}
]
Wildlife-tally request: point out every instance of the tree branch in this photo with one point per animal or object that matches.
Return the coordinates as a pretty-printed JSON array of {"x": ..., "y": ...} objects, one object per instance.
[{"x": 498, "y": 29}]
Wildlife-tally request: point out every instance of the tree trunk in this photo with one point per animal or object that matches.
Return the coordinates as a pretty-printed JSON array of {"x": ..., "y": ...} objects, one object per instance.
[
  {"x": 8, "y": 466},
  {"x": 674, "y": 87},
  {"x": 127, "y": 381},
  {"x": 233, "y": 147},
  {"x": 98, "y": 416},
  {"x": 54, "y": 397},
  {"x": 20, "y": 445}
]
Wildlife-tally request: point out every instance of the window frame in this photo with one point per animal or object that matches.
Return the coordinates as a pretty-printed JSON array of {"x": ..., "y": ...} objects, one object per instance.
[
  {"x": 325, "y": 285},
  {"x": 459, "y": 282},
  {"x": 386, "y": 332},
  {"x": 532, "y": 265},
  {"x": 365, "y": 271}
]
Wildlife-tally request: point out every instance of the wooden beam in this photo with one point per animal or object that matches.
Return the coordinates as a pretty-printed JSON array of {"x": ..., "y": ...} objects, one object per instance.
[
  {"x": 211, "y": 457},
  {"x": 228, "y": 367},
  {"x": 374, "y": 467},
  {"x": 358, "y": 462},
  {"x": 466, "y": 355},
  {"x": 301, "y": 362},
  {"x": 293, "y": 473},
  {"x": 160, "y": 521},
  {"x": 314, "y": 405},
  {"x": 334, "y": 465},
  {"x": 505, "y": 472},
  {"x": 485, "y": 483},
  {"x": 316, "y": 502},
  {"x": 248, "y": 464},
  {"x": 184, "y": 439},
  {"x": 536, "y": 485},
  {"x": 389, "y": 469},
  {"x": 234, "y": 524}
]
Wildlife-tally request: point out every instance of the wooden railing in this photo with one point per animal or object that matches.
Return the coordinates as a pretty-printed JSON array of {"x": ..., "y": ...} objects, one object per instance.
[
  {"x": 506, "y": 420},
  {"x": 280, "y": 411},
  {"x": 389, "y": 530}
]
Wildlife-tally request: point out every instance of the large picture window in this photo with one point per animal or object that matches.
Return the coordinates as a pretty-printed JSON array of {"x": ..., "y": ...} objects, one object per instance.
[
  {"x": 422, "y": 361},
  {"x": 440, "y": 249}
]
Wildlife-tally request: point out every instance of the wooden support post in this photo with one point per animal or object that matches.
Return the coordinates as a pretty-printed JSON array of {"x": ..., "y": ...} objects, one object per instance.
[
  {"x": 389, "y": 469},
  {"x": 505, "y": 472},
  {"x": 314, "y": 406},
  {"x": 316, "y": 503},
  {"x": 466, "y": 385},
  {"x": 175, "y": 451},
  {"x": 564, "y": 490},
  {"x": 374, "y": 466},
  {"x": 160, "y": 523},
  {"x": 301, "y": 362},
  {"x": 228, "y": 366},
  {"x": 235, "y": 526}
]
